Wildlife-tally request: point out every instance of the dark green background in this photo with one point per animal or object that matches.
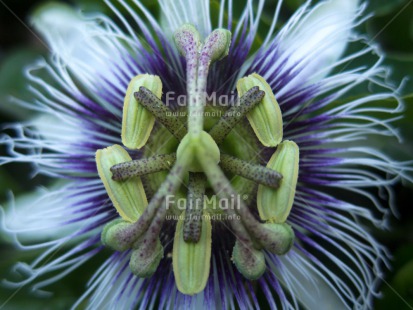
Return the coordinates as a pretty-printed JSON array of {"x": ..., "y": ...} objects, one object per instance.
[{"x": 391, "y": 28}]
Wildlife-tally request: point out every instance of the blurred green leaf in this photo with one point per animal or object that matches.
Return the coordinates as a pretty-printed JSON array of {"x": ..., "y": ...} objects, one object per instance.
[
  {"x": 294, "y": 4},
  {"x": 403, "y": 281},
  {"x": 393, "y": 30},
  {"x": 398, "y": 291},
  {"x": 13, "y": 81},
  {"x": 100, "y": 6},
  {"x": 401, "y": 68},
  {"x": 382, "y": 7},
  {"x": 7, "y": 181}
]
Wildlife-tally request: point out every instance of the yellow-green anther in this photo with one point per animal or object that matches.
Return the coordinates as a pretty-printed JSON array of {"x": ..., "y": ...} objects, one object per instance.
[
  {"x": 189, "y": 144},
  {"x": 265, "y": 118},
  {"x": 275, "y": 204},
  {"x": 191, "y": 261},
  {"x": 250, "y": 262},
  {"x": 128, "y": 197},
  {"x": 137, "y": 122},
  {"x": 217, "y": 44},
  {"x": 187, "y": 39},
  {"x": 280, "y": 238},
  {"x": 145, "y": 259},
  {"x": 147, "y": 228}
]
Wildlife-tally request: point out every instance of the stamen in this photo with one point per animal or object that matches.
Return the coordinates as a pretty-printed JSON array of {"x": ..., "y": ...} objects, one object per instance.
[
  {"x": 256, "y": 173},
  {"x": 278, "y": 241},
  {"x": 128, "y": 197},
  {"x": 266, "y": 119},
  {"x": 142, "y": 166},
  {"x": 161, "y": 112},
  {"x": 137, "y": 122},
  {"x": 130, "y": 234},
  {"x": 195, "y": 203},
  {"x": 236, "y": 113},
  {"x": 192, "y": 261},
  {"x": 286, "y": 160}
]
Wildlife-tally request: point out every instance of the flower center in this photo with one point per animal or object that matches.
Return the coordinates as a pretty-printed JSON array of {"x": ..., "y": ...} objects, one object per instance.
[
  {"x": 206, "y": 165},
  {"x": 240, "y": 143}
]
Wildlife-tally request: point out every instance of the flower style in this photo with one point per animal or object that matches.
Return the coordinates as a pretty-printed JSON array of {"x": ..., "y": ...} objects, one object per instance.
[{"x": 277, "y": 185}]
